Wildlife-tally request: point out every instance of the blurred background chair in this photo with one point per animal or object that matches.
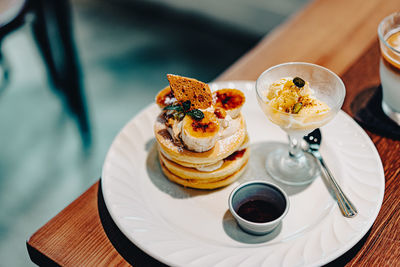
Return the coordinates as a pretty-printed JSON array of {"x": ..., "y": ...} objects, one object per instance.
[{"x": 52, "y": 30}]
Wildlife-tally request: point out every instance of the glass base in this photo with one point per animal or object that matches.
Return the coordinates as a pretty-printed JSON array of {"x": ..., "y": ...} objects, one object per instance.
[
  {"x": 292, "y": 171},
  {"x": 394, "y": 115}
]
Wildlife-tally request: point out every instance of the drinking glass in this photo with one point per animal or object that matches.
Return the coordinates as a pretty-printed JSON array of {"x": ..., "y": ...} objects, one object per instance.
[
  {"x": 389, "y": 69},
  {"x": 290, "y": 165}
]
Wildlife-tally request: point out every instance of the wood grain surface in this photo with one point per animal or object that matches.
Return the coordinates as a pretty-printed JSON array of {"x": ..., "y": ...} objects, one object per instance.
[{"x": 338, "y": 34}]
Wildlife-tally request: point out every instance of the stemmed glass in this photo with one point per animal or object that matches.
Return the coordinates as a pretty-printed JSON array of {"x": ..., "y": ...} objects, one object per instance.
[{"x": 292, "y": 166}]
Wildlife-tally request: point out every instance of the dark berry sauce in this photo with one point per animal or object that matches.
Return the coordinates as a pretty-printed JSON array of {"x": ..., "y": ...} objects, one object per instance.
[{"x": 259, "y": 211}]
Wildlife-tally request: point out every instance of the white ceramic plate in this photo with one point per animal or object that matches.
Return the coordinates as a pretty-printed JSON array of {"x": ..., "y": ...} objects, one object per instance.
[{"x": 188, "y": 227}]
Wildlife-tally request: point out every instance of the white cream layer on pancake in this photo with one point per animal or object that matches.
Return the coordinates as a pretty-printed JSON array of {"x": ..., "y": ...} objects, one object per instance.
[{"x": 211, "y": 167}]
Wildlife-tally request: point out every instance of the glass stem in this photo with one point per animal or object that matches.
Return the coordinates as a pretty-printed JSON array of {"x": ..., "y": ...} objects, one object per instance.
[{"x": 295, "y": 150}]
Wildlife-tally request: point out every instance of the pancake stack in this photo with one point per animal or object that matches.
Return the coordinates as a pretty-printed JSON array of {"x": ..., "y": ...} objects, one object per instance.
[{"x": 201, "y": 136}]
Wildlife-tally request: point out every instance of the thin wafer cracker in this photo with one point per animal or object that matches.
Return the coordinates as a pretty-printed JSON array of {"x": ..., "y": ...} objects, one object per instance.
[{"x": 184, "y": 89}]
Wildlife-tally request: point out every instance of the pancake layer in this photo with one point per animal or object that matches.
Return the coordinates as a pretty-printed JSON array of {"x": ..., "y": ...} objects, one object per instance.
[
  {"x": 203, "y": 184},
  {"x": 228, "y": 168}
]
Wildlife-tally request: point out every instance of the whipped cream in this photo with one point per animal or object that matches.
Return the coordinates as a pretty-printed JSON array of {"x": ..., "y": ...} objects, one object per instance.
[
  {"x": 229, "y": 127},
  {"x": 211, "y": 167},
  {"x": 175, "y": 130},
  {"x": 169, "y": 100}
]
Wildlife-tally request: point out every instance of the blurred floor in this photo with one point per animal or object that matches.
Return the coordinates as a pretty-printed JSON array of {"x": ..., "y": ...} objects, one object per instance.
[{"x": 126, "y": 48}]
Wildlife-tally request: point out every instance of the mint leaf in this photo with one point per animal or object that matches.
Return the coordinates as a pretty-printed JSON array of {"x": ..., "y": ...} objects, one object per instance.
[
  {"x": 174, "y": 107},
  {"x": 186, "y": 105},
  {"x": 196, "y": 114}
]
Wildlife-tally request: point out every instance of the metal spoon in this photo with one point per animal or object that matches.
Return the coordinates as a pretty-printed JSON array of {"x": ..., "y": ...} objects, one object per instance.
[{"x": 314, "y": 141}]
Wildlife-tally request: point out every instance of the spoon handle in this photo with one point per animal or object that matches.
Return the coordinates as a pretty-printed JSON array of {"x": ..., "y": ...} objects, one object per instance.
[{"x": 346, "y": 207}]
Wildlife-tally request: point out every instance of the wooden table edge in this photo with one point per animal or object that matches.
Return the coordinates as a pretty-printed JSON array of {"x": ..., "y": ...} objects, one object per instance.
[
  {"x": 38, "y": 257},
  {"x": 35, "y": 254}
]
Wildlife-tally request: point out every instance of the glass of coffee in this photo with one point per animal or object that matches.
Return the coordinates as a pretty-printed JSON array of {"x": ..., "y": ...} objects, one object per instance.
[{"x": 389, "y": 38}]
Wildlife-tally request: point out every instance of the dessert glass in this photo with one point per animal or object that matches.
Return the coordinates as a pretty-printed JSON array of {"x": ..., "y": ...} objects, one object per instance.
[{"x": 291, "y": 165}]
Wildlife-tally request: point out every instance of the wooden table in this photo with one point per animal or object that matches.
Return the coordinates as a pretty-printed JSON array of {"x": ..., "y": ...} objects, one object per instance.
[{"x": 338, "y": 34}]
